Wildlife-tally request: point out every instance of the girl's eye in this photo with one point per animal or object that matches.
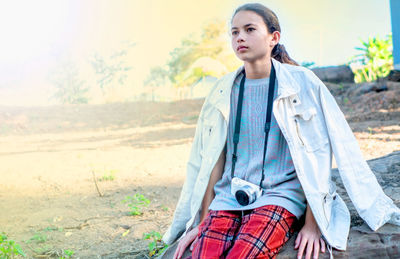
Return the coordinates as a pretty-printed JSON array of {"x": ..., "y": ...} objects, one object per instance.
[
  {"x": 234, "y": 32},
  {"x": 250, "y": 29}
]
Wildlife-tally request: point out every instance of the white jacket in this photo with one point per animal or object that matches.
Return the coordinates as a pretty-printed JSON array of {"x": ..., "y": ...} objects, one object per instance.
[{"x": 314, "y": 127}]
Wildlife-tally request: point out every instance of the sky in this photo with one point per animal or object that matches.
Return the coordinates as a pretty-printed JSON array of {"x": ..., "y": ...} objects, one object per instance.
[{"x": 37, "y": 35}]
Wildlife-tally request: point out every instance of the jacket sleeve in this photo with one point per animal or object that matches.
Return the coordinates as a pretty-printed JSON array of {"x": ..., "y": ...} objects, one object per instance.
[
  {"x": 371, "y": 203},
  {"x": 182, "y": 210}
]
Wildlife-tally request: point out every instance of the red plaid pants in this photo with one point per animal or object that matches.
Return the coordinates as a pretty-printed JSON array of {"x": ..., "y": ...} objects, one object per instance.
[{"x": 258, "y": 233}]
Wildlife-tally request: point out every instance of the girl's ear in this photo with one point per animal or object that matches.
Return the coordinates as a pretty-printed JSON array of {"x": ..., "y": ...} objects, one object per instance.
[{"x": 275, "y": 38}]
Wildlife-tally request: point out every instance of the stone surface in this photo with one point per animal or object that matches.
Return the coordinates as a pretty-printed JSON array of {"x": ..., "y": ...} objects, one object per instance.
[
  {"x": 362, "y": 242},
  {"x": 335, "y": 74},
  {"x": 394, "y": 76}
]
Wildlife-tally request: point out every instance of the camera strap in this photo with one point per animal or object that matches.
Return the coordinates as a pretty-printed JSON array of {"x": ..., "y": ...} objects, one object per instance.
[{"x": 239, "y": 117}]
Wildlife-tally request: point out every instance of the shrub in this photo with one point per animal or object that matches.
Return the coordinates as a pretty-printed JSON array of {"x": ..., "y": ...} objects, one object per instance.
[
  {"x": 375, "y": 61},
  {"x": 8, "y": 248}
]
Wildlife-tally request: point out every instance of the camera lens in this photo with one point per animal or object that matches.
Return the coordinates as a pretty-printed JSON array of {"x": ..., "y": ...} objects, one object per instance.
[{"x": 242, "y": 197}]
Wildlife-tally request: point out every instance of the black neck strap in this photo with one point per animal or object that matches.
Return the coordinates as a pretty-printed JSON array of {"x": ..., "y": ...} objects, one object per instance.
[{"x": 267, "y": 121}]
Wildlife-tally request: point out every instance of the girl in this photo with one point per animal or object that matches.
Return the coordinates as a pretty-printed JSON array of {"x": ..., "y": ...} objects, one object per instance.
[{"x": 261, "y": 159}]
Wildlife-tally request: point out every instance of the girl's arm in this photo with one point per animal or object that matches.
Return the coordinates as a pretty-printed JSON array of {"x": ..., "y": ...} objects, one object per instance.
[
  {"x": 192, "y": 236},
  {"x": 216, "y": 174},
  {"x": 309, "y": 238}
]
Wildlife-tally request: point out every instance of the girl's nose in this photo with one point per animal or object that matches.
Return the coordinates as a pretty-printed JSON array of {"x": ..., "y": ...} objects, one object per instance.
[{"x": 240, "y": 37}]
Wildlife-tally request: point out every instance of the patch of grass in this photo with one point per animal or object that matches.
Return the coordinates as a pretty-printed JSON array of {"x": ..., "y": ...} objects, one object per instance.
[
  {"x": 9, "y": 248},
  {"x": 156, "y": 246},
  {"x": 53, "y": 228},
  {"x": 108, "y": 176},
  {"x": 67, "y": 254},
  {"x": 41, "y": 249},
  {"x": 136, "y": 203},
  {"x": 38, "y": 237},
  {"x": 106, "y": 173}
]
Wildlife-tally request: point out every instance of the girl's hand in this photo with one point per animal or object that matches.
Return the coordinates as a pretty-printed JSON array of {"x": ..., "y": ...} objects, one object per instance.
[
  {"x": 185, "y": 241},
  {"x": 309, "y": 236}
]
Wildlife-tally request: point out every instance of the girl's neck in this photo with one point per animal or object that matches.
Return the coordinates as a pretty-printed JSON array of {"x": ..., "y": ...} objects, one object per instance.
[{"x": 258, "y": 69}]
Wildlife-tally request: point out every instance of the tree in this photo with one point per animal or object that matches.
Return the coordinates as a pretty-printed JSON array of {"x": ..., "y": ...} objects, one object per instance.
[
  {"x": 157, "y": 77},
  {"x": 211, "y": 44},
  {"x": 70, "y": 88},
  {"x": 111, "y": 70}
]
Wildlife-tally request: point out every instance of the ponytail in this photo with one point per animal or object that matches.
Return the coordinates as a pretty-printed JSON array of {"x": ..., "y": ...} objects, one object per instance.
[{"x": 279, "y": 53}]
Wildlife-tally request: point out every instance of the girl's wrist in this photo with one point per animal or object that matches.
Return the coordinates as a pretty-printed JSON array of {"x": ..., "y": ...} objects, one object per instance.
[{"x": 203, "y": 215}]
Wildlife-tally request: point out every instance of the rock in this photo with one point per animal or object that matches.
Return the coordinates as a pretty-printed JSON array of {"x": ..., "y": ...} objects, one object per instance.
[
  {"x": 335, "y": 74},
  {"x": 394, "y": 76},
  {"x": 363, "y": 242},
  {"x": 372, "y": 86}
]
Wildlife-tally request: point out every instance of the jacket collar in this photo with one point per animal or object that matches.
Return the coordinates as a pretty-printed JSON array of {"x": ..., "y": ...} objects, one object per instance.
[{"x": 287, "y": 86}]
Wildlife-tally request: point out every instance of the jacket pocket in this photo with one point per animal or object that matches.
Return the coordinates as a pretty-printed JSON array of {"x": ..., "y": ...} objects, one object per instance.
[
  {"x": 309, "y": 129},
  {"x": 327, "y": 201}
]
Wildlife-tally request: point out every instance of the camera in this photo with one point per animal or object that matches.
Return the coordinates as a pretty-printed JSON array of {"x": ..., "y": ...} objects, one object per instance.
[{"x": 244, "y": 191}]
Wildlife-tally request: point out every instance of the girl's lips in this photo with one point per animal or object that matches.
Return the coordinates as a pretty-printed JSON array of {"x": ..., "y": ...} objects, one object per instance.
[{"x": 242, "y": 49}]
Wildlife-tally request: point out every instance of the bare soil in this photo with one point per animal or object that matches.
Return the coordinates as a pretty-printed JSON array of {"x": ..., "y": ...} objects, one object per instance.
[{"x": 49, "y": 156}]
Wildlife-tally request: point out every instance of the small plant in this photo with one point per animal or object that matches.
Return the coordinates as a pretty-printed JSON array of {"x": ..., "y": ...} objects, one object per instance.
[
  {"x": 156, "y": 246},
  {"x": 38, "y": 237},
  {"x": 136, "y": 203},
  {"x": 375, "y": 61},
  {"x": 370, "y": 132},
  {"x": 108, "y": 176},
  {"x": 67, "y": 254},
  {"x": 8, "y": 248}
]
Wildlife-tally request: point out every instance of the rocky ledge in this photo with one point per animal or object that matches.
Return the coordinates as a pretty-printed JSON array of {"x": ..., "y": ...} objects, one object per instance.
[{"x": 363, "y": 242}]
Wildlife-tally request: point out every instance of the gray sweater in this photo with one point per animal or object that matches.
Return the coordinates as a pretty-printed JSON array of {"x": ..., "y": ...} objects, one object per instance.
[{"x": 281, "y": 185}]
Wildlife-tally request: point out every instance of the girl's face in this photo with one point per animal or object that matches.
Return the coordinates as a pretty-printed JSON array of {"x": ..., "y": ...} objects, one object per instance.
[{"x": 250, "y": 38}]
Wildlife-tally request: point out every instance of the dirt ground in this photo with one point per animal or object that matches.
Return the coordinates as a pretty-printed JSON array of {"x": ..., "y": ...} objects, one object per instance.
[{"x": 49, "y": 157}]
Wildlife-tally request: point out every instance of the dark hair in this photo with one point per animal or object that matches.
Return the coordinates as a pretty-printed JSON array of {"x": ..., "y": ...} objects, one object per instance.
[{"x": 271, "y": 21}]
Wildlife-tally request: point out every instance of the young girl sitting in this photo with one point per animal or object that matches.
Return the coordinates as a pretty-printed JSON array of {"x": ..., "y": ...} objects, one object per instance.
[{"x": 262, "y": 155}]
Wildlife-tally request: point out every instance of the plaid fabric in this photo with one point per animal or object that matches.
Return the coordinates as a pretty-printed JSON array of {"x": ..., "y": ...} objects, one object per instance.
[{"x": 257, "y": 233}]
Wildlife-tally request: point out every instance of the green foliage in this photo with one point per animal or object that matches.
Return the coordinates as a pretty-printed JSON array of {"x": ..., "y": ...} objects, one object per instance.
[
  {"x": 157, "y": 77},
  {"x": 52, "y": 228},
  {"x": 38, "y": 237},
  {"x": 210, "y": 43},
  {"x": 70, "y": 88},
  {"x": 8, "y": 248},
  {"x": 375, "y": 61},
  {"x": 108, "y": 176},
  {"x": 308, "y": 64},
  {"x": 67, "y": 254},
  {"x": 136, "y": 203},
  {"x": 156, "y": 246}
]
